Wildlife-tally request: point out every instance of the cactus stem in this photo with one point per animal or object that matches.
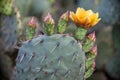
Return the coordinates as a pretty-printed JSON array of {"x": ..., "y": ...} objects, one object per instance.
[
  {"x": 43, "y": 58},
  {"x": 52, "y": 66}
]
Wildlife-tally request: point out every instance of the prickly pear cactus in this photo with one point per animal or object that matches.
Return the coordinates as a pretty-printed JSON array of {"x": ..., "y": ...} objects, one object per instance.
[
  {"x": 8, "y": 32},
  {"x": 55, "y": 55},
  {"x": 51, "y": 58}
]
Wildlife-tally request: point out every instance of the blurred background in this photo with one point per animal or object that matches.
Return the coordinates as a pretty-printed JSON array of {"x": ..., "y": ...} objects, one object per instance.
[{"x": 12, "y": 16}]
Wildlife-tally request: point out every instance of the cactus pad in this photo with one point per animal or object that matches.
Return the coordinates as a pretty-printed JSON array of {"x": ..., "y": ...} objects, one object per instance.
[
  {"x": 8, "y": 32},
  {"x": 56, "y": 57}
]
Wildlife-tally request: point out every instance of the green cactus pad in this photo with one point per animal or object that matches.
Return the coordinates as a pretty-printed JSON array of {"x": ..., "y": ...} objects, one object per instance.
[
  {"x": 8, "y": 32},
  {"x": 56, "y": 57},
  {"x": 6, "y": 7}
]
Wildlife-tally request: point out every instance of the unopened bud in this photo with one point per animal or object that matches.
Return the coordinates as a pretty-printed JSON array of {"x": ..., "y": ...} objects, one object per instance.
[
  {"x": 65, "y": 16},
  {"x": 92, "y": 36},
  {"x": 49, "y": 19},
  {"x": 94, "y": 50},
  {"x": 93, "y": 64},
  {"x": 32, "y": 23},
  {"x": 62, "y": 24},
  {"x": 49, "y": 25}
]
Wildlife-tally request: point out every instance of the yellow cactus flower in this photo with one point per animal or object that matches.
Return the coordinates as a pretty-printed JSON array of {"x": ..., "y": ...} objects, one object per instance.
[{"x": 84, "y": 18}]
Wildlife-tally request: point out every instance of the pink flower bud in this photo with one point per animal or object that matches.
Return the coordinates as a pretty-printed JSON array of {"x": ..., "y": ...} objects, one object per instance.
[
  {"x": 65, "y": 16},
  {"x": 49, "y": 19},
  {"x": 94, "y": 50},
  {"x": 32, "y": 23},
  {"x": 92, "y": 36}
]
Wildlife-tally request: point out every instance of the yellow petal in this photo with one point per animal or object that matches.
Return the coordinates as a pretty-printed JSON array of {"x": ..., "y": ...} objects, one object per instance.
[
  {"x": 80, "y": 13},
  {"x": 95, "y": 22},
  {"x": 88, "y": 20},
  {"x": 89, "y": 12},
  {"x": 94, "y": 19},
  {"x": 83, "y": 21},
  {"x": 97, "y": 14},
  {"x": 73, "y": 16}
]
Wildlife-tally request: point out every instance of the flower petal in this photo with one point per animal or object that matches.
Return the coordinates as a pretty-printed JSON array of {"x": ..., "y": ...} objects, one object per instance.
[
  {"x": 95, "y": 22},
  {"x": 80, "y": 13},
  {"x": 73, "y": 16},
  {"x": 89, "y": 12},
  {"x": 85, "y": 18}
]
